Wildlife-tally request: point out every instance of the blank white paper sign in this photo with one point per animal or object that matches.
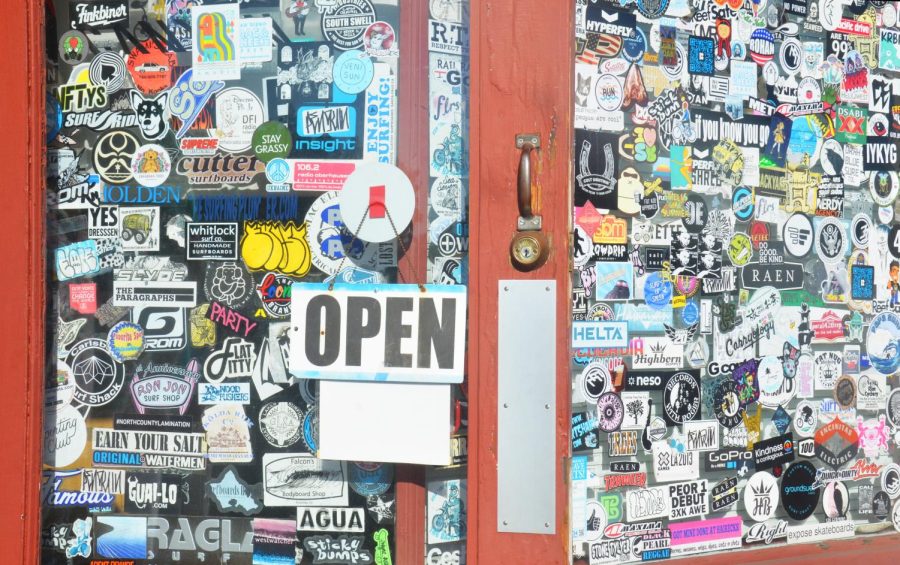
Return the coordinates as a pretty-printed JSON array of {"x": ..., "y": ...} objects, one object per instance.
[{"x": 384, "y": 422}]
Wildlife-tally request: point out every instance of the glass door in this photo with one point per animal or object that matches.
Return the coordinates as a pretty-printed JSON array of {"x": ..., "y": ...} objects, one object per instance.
[{"x": 197, "y": 160}]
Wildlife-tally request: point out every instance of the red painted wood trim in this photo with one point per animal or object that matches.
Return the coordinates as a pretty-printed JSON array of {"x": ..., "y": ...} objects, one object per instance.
[
  {"x": 22, "y": 309},
  {"x": 412, "y": 123},
  {"x": 413, "y": 159},
  {"x": 521, "y": 76}
]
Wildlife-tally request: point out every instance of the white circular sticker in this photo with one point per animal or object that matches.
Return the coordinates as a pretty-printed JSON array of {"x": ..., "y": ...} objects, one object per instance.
[
  {"x": 774, "y": 389},
  {"x": 65, "y": 436},
  {"x": 877, "y": 126},
  {"x": 609, "y": 93},
  {"x": 151, "y": 165},
  {"x": 884, "y": 185},
  {"x": 889, "y": 15},
  {"x": 831, "y": 240},
  {"x": 595, "y": 520},
  {"x": 798, "y": 235},
  {"x": 809, "y": 91},
  {"x": 238, "y": 113},
  {"x": 761, "y": 496},
  {"x": 595, "y": 380},
  {"x": 895, "y": 517},
  {"x": 890, "y": 480},
  {"x": 860, "y": 227},
  {"x": 830, "y": 13},
  {"x": 377, "y": 202}
]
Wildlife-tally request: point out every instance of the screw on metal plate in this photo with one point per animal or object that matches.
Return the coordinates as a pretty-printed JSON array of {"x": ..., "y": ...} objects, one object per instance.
[
  {"x": 530, "y": 224},
  {"x": 531, "y": 138}
]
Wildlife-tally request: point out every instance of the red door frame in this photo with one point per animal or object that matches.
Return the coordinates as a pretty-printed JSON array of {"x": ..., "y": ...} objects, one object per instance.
[
  {"x": 413, "y": 157},
  {"x": 22, "y": 284},
  {"x": 521, "y": 75}
]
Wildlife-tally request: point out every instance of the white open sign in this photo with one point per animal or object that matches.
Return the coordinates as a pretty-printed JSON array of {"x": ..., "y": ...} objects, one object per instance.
[{"x": 392, "y": 333}]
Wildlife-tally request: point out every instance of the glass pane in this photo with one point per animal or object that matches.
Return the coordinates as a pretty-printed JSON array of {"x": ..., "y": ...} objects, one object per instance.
[
  {"x": 735, "y": 288},
  {"x": 195, "y": 161},
  {"x": 446, "y": 517}
]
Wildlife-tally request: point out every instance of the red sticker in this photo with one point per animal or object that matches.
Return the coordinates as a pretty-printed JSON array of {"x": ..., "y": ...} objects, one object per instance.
[
  {"x": 321, "y": 175},
  {"x": 83, "y": 297},
  {"x": 151, "y": 71},
  {"x": 376, "y": 201}
]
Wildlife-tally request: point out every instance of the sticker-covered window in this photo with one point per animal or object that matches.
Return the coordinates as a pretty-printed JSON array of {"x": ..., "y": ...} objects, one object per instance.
[
  {"x": 208, "y": 162},
  {"x": 736, "y": 278}
]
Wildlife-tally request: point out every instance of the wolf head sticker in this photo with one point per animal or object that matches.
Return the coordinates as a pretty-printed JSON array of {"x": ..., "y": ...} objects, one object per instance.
[{"x": 151, "y": 113}]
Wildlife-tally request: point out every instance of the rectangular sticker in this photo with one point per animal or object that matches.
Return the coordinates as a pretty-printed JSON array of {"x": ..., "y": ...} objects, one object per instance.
[
  {"x": 819, "y": 532},
  {"x": 688, "y": 499},
  {"x": 320, "y": 175},
  {"x": 599, "y": 334},
  {"x": 132, "y": 293},
  {"x": 215, "y": 44},
  {"x": 330, "y": 519},
  {"x": 212, "y": 241},
  {"x": 230, "y": 393},
  {"x": 704, "y": 536},
  {"x": 299, "y": 479}
]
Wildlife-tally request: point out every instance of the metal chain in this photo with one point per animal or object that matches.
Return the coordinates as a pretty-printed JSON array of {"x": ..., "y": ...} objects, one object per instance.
[
  {"x": 354, "y": 238},
  {"x": 352, "y": 241},
  {"x": 403, "y": 247}
]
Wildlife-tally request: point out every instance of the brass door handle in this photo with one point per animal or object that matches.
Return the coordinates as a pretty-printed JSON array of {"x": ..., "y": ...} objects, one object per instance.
[
  {"x": 529, "y": 247},
  {"x": 526, "y": 143},
  {"x": 524, "y": 191}
]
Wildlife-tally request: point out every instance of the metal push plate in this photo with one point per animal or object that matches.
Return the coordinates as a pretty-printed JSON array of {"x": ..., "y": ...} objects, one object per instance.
[{"x": 526, "y": 407}]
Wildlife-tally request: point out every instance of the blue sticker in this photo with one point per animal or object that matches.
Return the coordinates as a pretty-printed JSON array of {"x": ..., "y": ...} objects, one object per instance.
[
  {"x": 657, "y": 292},
  {"x": 123, "y": 537},
  {"x": 690, "y": 314},
  {"x": 614, "y": 281},
  {"x": 633, "y": 48},
  {"x": 701, "y": 55},
  {"x": 78, "y": 259},
  {"x": 371, "y": 479},
  {"x": 126, "y": 341},
  {"x": 189, "y": 97},
  {"x": 54, "y": 117},
  {"x": 579, "y": 468},
  {"x": 278, "y": 170},
  {"x": 652, "y": 8},
  {"x": 781, "y": 419},
  {"x": 863, "y": 282},
  {"x": 353, "y": 72},
  {"x": 742, "y": 203},
  {"x": 311, "y": 429},
  {"x": 805, "y": 138}
]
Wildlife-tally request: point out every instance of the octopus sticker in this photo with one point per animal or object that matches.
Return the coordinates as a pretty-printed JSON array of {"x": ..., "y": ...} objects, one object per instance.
[{"x": 215, "y": 48}]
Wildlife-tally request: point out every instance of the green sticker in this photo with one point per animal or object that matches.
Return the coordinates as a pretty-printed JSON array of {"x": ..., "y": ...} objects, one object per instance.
[
  {"x": 382, "y": 548},
  {"x": 271, "y": 140}
]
